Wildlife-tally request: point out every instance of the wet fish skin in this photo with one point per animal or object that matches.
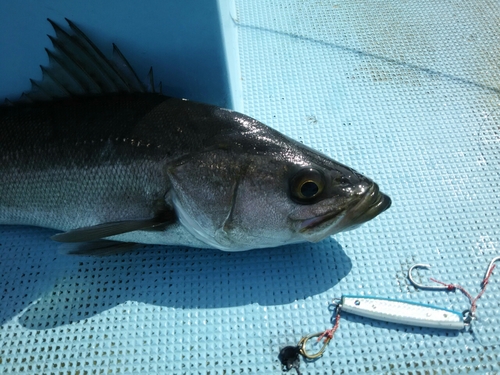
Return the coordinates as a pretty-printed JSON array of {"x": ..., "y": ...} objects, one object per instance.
[
  {"x": 145, "y": 168},
  {"x": 79, "y": 162}
]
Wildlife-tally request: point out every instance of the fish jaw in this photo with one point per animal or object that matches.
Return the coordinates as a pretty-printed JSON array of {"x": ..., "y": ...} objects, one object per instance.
[{"x": 345, "y": 217}]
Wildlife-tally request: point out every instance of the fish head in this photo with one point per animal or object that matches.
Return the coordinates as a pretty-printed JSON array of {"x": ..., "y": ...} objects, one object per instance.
[
  {"x": 301, "y": 195},
  {"x": 240, "y": 198},
  {"x": 329, "y": 198}
]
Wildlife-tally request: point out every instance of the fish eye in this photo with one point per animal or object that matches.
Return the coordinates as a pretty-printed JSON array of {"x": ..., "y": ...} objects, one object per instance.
[{"x": 306, "y": 185}]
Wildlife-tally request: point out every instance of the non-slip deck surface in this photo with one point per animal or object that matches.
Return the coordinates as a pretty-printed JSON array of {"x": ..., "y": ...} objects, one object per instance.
[{"x": 405, "y": 92}]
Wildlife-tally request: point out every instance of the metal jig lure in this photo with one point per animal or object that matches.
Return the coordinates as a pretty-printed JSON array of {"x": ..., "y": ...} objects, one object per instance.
[
  {"x": 391, "y": 310},
  {"x": 402, "y": 312}
]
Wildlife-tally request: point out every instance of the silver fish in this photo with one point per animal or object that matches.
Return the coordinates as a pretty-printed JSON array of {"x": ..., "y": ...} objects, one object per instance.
[{"x": 94, "y": 152}]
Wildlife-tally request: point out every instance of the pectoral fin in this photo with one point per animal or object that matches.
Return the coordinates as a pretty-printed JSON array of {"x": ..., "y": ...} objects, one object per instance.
[
  {"x": 97, "y": 232},
  {"x": 100, "y": 231}
]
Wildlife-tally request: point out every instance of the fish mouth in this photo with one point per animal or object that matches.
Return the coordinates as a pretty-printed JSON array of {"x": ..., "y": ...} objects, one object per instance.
[
  {"x": 351, "y": 216},
  {"x": 373, "y": 204}
]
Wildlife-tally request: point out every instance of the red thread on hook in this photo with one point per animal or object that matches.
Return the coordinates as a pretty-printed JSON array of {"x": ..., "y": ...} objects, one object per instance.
[
  {"x": 487, "y": 277},
  {"x": 330, "y": 332},
  {"x": 483, "y": 289},
  {"x": 449, "y": 286},
  {"x": 473, "y": 301}
]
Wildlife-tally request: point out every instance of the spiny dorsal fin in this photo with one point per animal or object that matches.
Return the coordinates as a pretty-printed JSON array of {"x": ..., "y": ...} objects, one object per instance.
[
  {"x": 78, "y": 67},
  {"x": 128, "y": 74}
]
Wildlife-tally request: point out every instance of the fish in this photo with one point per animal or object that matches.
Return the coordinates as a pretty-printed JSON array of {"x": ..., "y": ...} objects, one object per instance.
[{"x": 109, "y": 161}]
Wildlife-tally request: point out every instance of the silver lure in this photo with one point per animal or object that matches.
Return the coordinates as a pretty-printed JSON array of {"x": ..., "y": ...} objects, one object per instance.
[
  {"x": 402, "y": 312},
  {"x": 387, "y": 310}
]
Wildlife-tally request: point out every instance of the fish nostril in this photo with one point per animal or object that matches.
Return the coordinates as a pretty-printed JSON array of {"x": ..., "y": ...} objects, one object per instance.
[
  {"x": 341, "y": 180},
  {"x": 344, "y": 180},
  {"x": 363, "y": 188}
]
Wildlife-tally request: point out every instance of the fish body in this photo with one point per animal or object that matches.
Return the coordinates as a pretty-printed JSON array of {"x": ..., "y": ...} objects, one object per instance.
[{"x": 130, "y": 165}]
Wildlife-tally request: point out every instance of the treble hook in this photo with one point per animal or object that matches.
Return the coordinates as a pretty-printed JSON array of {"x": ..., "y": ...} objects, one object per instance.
[{"x": 417, "y": 285}]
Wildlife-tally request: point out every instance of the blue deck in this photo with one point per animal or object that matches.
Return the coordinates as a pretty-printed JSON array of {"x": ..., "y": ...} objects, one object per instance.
[{"x": 405, "y": 92}]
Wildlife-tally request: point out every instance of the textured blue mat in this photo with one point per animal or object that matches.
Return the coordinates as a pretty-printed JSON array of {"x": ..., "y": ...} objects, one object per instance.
[{"x": 407, "y": 93}]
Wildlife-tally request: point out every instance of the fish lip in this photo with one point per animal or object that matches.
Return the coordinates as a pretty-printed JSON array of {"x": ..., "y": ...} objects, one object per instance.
[{"x": 371, "y": 204}]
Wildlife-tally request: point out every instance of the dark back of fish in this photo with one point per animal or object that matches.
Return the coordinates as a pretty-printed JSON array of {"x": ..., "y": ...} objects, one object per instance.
[{"x": 102, "y": 158}]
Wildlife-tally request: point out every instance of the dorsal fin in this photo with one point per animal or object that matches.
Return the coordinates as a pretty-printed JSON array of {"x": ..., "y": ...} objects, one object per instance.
[{"x": 77, "y": 67}]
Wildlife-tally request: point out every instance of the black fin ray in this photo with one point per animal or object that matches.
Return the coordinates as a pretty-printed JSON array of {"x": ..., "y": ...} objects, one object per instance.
[
  {"x": 151, "y": 83},
  {"x": 151, "y": 80},
  {"x": 40, "y": 90},
  {"x": 99, "y": 248},
  {"x": 26, "y": 98},
  {"x": 77, "y": 67},
  {"x": 46, "y": 74},
  {"x": 126, "y": 70},
  {"x": 76, "y": 47},
  {"x": 59, "y": 71},
  {"x": 71, "y": 52},
  {"x": 98, "y": 57}
]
